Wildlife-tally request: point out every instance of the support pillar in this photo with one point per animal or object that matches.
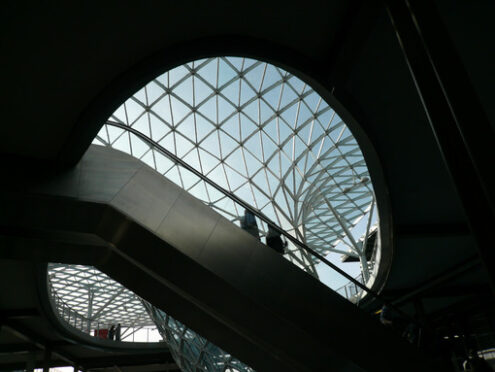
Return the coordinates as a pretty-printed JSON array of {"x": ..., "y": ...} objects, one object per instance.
[
  {"x": 47, "y": 355},
  {"x": 461, "y": 128}
]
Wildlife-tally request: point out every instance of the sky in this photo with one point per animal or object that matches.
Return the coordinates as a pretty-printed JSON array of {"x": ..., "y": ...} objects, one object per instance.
[{"x": 246, "y": 134}]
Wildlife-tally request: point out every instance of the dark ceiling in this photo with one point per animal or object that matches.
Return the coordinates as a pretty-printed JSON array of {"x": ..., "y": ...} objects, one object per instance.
[{"x": 66, "y": 66}]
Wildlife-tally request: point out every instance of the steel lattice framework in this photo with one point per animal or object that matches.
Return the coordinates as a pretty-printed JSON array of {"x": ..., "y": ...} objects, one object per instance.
[
  {"x": 95, "y": 297},
  {"x": 260, "y": 133},
  {"x": 264, "y": 136},
  {"x": 192, "y": 352}
]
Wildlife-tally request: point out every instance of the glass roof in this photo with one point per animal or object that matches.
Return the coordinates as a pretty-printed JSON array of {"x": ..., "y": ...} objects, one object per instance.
[
  {"x": 96, "y": 297},
  {"x": 262, "y": 134},
  {"x": 259, "y": 133}
]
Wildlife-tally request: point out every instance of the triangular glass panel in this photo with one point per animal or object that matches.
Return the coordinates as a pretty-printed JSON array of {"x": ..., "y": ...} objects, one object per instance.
[
  {"x": 269, "y": 147},
  {"x": 140, "y": 95},
  {"x": 122, "y": 143},
  {"x": 185, "y": 90},
  {"x": 260, "y": 180},
  {"x": 235, "y": 179},
  {"x": 114, "y": 133},
  {"x": 149, "y": 159},
  {"x": 296, "y": 84},
  {"x": 142, "y": 125},
  {"x": 179, "y": 110},
  {"x": 211, "y": 144},
  {"x": 174, "y": 176},
  {"x": 271, "y": 77},
  {"x": 162, "y": 109},
  {"x": 201, "y": 91},
  {"x": 187, "y": 128},
  {"x": 176, "y": 74},
  {"x": 199, "y": 191},
  {"x": 285, "y": 164},
  {"x": 192, "y": 159},
  {"x": 225, "y": 74},
  {"x": 139, "y": 147},
  {"x": 154, "y": 91},
  {"x": 236, "y": 161},
  {"x": 209, "y": 71},
  {"x": 203, "y": 127},
  {"x": 227, "y": 144},
  {"x": 300, "y": 147},
  {"x": 231, "y": 126},
  {"x": 244, "y": 192},
  {"x": 288, "y": 96},
  {"x": 316, "y": 133},
  {"x": 183, "y": 145},
  {"x": 217, "y": 175},
  {"x": 119, "y": 115},
  {"x": 253, "y": 164},
  {"x": 271, "y": 129},
  {"x": 251, "y": 110},
  {"x": 237, "y": 62},
  {"x": 231, "y": 92},
  {"x": 304, "y": 114},
  {"x": 247, "y": 92},
  {"x": 312, "y": 100},
  {"x": 189, "y": 179},
  {"x": 209, "y": 109},
  {"x": 289, "y": 115},
  {"x": 266, "y": 112},
  {"x": 168, "y": 143},
  {"x": 247, "y": 127},
  {"x": 213, "y": 193},
  {"x": 133, "y": 110},
  {"x": 255, "y": 76},
  {"x": 272, "y": 96},
  {"x": 248, "y": 62},
  {"x": 208, "y": 162},
  {"x": 286, "y": 135},
  {"x": 158, "y": 128},
  {"x": 225, "y": 109},
  {"x": 304, "y": 132}
]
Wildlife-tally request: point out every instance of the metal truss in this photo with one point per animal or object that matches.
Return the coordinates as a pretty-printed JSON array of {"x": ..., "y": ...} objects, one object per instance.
[
  {"x": 89, "y": 299},
  {"x": 191, "y": 352},
  {"x": 260, "y": 133}
]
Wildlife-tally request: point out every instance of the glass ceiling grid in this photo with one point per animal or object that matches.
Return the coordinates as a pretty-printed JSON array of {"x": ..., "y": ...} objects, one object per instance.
[
  {"x": 239, "y": 104},
  {"x": 263, "y": 135}
]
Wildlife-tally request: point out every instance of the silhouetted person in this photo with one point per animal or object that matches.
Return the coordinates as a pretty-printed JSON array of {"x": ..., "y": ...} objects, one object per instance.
[
  {"x": 248, "y": 223},
  {"x": 274, "y": 240},
  {"x": 111, "y": 332},
  {"x": 117, "y": 332}
]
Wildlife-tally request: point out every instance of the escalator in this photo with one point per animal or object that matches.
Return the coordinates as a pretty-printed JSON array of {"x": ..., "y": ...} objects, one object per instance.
[{"x": 115, "y": 213}]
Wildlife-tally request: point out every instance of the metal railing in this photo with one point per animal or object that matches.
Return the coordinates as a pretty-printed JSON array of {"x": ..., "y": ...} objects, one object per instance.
[
  {"x": 247, "y": 206},
  {"x": 351, "y": 291}
]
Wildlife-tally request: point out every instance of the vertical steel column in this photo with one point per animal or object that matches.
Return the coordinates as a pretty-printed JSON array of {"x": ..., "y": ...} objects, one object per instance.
[
  {"x": 461, "y": 128},
  {"x": 47, "y": 355}
]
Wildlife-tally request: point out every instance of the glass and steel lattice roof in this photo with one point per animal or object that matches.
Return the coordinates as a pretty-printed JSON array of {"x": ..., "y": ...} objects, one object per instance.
[
  {"x": 89, "y": 300},
  {"x": 260, "y": 133},
  {"x": 256, "y": 132}
]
